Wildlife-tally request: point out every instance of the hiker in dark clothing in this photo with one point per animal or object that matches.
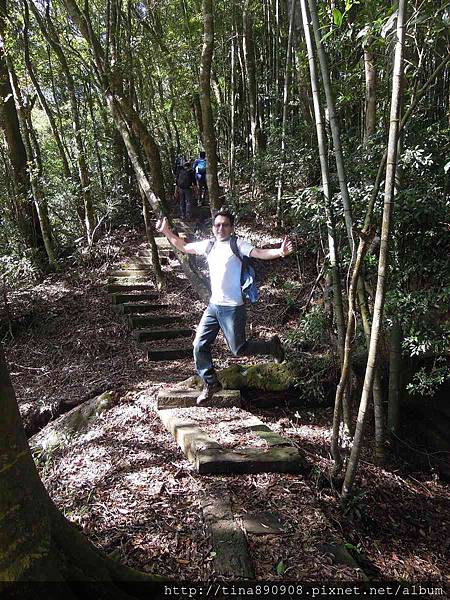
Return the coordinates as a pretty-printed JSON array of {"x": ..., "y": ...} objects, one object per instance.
[{"x": 185, "y": 183}]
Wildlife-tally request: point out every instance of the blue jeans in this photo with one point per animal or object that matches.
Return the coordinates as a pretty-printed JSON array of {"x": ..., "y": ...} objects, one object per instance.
[
  {"x": 186, "y": 203},
  {"x": 231, "y": 320}
]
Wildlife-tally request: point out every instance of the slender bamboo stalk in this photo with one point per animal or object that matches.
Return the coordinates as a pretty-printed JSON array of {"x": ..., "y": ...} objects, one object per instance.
[{"x": 384, "y": 247}]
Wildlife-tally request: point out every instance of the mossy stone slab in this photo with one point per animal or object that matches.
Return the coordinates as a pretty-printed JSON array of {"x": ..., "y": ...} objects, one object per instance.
[
  {"x": 176, "y": 398},
  {"x": 232, "y": 558},
  {"x": 250, "y": 460},
  {"x": 263, "y": 523},
  {"x": 124, "y": 288},
  {"x": 189, "y": 437},
  {"x": 131, "y": 274},
  {"x": 269, "y": 436}
]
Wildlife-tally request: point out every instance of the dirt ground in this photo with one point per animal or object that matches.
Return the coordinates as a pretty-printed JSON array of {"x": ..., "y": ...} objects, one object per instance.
[{"x": 130, "y": 489}]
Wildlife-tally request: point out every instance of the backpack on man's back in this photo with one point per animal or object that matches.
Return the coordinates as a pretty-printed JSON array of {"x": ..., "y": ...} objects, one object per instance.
[
  {"x": 184, "y": 179},
  {"x": 200, "y": 166}
]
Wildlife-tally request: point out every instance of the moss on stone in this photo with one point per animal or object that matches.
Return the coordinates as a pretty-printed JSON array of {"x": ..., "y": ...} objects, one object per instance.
[
  {"x": 270, "y": 377},
  {"x": 58, "y": 433}
]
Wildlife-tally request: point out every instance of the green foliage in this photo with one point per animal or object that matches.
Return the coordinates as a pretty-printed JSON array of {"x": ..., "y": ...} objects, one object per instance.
[
  {"x": 426, "y": 382},
  {"x": 312, "y": 329}
]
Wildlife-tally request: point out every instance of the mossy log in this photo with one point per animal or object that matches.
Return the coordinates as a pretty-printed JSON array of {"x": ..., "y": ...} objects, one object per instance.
[
  {"x": 269, "y": 377},
  {"x": 58, "y": 433}
]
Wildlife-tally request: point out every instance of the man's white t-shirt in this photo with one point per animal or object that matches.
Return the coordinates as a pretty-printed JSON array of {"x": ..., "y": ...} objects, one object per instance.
[{"x": 224, "y": 270}]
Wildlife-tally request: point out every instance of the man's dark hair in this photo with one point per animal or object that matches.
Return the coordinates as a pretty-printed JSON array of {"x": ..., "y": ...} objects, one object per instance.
[
  {"x": 202, "y": 154},
  {"x": 224, "y": 212}
]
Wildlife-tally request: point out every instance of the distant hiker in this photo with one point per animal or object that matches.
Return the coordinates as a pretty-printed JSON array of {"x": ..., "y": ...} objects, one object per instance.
[
  {"x": 178, "y": 164},
  {"x": 226, "y": 309},
  {"x": 185, "y": 183},
  {"x": 199, "y": 167}
]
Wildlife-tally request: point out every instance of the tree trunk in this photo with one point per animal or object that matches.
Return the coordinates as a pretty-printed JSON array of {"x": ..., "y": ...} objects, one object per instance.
[
  {"x": 50, "y": 33},
  {"x": 232, "y": 158},
  {"x": 42, "y": 100},
  {"x": 334, "y": 123},
  {"x": 395, "y": 368},
  {"x": 332, "y": 239},
  {"x": 371, "y": 100},
  {"x": 209, "y": 136},
  {"x": 287, "y": 79},
  {"x": 383, "y": 256},
  {"x": 119, "y": 111},
  {"x": 250, "y": 68},
  {"x": 24, "y": 212},
  {"x": 37, "y": 543},
  {"x": 151, "y": 240},
  {"x": 33, "y": 168}
]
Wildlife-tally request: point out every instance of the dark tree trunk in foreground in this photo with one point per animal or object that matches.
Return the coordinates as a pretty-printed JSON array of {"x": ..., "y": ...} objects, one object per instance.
[
  {"x": 37, "y": 543},
  {"x": 209, "y": 136},
  {"x": 34, "y": 166},
  {"x": 26, "y": 217}
]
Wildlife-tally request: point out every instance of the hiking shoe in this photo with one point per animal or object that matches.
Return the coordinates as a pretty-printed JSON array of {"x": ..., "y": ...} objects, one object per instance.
[
  {"x": 209, "y": 389},
  {"x": 277, "y": 349}
]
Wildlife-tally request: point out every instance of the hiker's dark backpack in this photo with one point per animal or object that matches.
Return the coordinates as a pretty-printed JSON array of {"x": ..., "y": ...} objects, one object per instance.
[
  {"x": 249, "y": 287},
  {"x": 184, "y": 179},
  {"x": 200, "y": 166}
]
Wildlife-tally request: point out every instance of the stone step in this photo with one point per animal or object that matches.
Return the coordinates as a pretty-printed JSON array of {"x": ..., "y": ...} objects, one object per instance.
[
  {"x": 144, "y": 259},
  {"x": 131, "y": 274},
  {"x": 156, "y": 354},
  {"x": 163, "y": 242},
  {"x": 147, "y": 335},
  {"x": 178, "y": 398},
  {"x": 114, "y": 288},
  {"x": 147, "y": 268},
  {"x": 135, "y": 308},
  {"x": 118, "y": 298},
  {"x": 211, "y": 461},
  {"x": 140, "y": 321},
  {"x": 210, "y": 458},
  {"x": 231, "y": 557}
]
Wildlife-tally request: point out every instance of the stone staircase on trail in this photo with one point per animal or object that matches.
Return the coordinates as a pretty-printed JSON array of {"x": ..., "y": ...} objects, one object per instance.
[
  {"x": 136, "y": 298},
  {"x": 164, "y": 336},
  {"x": 272, "y": 453}
]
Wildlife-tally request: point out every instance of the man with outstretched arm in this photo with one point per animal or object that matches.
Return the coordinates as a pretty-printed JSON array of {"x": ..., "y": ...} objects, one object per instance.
[{"x": 226, "y": 308}]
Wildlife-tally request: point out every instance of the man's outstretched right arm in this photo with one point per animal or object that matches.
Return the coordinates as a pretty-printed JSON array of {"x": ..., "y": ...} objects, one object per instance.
[{"x": 180, "y": 244}]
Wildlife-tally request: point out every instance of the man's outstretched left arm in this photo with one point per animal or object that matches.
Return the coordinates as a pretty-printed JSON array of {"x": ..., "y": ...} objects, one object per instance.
[{"x": 285, "y": 248}]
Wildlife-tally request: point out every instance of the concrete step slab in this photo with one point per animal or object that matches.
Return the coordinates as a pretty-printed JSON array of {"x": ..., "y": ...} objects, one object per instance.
[
  {"x": 119, "y": 298},
  {"x": 210, "y": 458},
  {"x": 178, "y": 398},
  {"x": 147, "y": 335},
  {"x": 250, "y": 460},
  {"x": 156, "y": 354},
  {"x": 189, "y": 437},
  {"x": 131, "y": 274},
  {"x": 144, "y": 258},
  {"x": 229, "y": 543},
  {"x": 144, "y": 321},
  {"x": 124, "y": 288},
  {"x": 136, "y": 308}
]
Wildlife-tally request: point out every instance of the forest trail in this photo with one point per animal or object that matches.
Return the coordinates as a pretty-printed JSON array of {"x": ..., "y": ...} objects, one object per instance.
[
  {"x": 176, "y": 406},
  {"x": 195, "y": 429},
  {"x": 129, "y": 486}
]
